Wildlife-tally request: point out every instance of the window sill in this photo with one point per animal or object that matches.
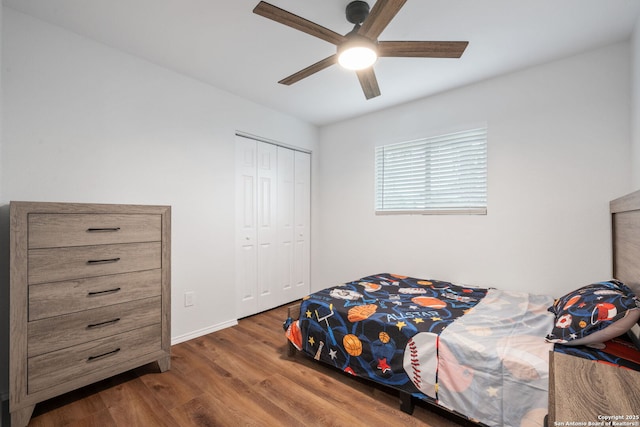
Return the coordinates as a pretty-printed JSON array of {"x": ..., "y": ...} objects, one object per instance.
[{"x": 466, "y": 211}]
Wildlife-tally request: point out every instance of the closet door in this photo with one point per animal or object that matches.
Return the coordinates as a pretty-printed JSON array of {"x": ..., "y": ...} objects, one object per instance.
[
  {"x": 286, "y": 224},
  {"x": 272, "y": 225},
  {"x": 267, "y": 175},
  {"x": 246, "y": 282}
]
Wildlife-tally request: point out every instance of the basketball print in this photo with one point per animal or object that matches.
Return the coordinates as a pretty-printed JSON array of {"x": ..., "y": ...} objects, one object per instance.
[
  {"x": 384, "y": 337},
  {"x": 352, "y": 344}
]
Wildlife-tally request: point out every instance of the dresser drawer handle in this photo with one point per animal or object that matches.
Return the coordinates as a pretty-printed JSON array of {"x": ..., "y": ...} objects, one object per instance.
[
  {"x": 108, "y": 291},
  {"x": 103, "y": 230},
  {"x": 108, "y": 322},
  {"x": 108, "y": 353},
  {"x": 102, "y": 261}
]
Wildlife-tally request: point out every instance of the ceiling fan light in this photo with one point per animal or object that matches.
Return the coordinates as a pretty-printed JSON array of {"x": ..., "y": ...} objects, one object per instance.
[
  {"x": 357, "y": 53},
  {"x": 357, "y": 57}
]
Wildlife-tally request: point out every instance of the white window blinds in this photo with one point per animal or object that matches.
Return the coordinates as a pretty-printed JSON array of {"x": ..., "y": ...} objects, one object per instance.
[{"x": 441, "y": 174}]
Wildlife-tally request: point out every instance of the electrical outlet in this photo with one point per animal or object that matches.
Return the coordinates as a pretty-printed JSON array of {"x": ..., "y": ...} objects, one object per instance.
[{"x": 188, "y": 299}]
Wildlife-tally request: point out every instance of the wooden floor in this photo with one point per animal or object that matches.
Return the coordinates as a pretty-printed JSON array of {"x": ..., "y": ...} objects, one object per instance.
[{"x": 240, "y": 376}]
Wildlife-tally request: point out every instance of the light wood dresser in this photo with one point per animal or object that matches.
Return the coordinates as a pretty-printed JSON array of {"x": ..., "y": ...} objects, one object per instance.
[
  {"x": 89, "y": 296},
  {"x": 587, "y": 392}
]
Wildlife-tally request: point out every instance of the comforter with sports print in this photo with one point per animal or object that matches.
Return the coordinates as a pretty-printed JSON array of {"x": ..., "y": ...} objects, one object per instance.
[{"x": 478, "y": 352}]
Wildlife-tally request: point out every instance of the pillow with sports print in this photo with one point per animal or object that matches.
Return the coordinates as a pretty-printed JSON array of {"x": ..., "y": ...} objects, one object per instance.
[{"x": 594, "y": 314}]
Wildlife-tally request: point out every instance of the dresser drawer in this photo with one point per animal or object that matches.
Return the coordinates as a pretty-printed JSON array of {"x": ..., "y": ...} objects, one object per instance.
[
  {"x": 55, "y": 299},
  {"x": 47, "y": 335},
  {"x": 66, "y": 365},
  {"x": 56, "y": 230},
  {"x": 58, "y": 264}
]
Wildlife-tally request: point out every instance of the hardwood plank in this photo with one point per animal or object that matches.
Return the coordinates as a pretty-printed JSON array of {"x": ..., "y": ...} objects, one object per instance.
[
  {"x": 199, "y": 411},
  {"x": 170, "y": 388},
  {"x": 138, "y": 413},
  {"x": 98, "y": 419},
  {"x": 307, "y": 405},
  {"x": 132, "y": 403},
  {"x": 69, "y": 408}
]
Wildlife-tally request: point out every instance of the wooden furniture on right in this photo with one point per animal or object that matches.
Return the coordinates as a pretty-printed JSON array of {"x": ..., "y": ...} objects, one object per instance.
[
  {"x": 625, "y": 228},
  {"x": 587, "y": 391},
  {"x": 90, "y": 296}
]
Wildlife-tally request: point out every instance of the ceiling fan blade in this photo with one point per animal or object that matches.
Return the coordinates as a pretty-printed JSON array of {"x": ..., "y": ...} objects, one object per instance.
[
  {"x": 381, "y": 14},
  {"x": 368, "y": 82},
  {"x": 294, "y": 21},
  {"x": 311, "y": 69},
  {"x": 418, "y": 49}
]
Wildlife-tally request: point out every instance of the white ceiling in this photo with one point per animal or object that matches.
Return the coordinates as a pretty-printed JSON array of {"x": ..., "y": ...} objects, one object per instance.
[{"x": 222, "y": 43}]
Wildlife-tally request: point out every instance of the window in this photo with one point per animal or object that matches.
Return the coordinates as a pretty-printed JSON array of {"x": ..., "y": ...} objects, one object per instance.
[{"x": 441, "y": 174}]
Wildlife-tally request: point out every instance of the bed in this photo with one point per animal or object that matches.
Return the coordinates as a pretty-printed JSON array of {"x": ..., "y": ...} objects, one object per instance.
[{"x": 467, "y": 349}]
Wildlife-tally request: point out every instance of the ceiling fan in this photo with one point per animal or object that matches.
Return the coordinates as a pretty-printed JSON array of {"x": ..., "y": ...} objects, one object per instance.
[{"x": 362, "y": 41}]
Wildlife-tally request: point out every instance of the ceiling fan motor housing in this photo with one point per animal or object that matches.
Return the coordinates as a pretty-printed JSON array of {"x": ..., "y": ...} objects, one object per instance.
[{"x": 357, "y": 12}]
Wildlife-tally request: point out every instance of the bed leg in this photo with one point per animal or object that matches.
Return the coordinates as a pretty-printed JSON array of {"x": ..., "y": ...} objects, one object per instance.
[
  {"x": 291, "y": 349},
  {"x": 293, "y": 313},
  {"x": 406, "y": 403}
]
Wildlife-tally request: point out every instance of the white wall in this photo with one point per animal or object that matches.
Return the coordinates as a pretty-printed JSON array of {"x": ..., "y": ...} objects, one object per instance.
[
  {"x": 87, "y": 123},
  {"x": 558, "y": 138},
  {"x": 635, "y": 105}
]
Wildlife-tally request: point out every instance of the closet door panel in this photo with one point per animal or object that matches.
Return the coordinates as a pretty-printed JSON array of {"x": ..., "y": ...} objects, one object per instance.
[
  {"x": 267, "y": 275},
  {"x": 302, "y": 220},
  {"x": 246, "y": 233},
  {"x": 286, "y": 222}
]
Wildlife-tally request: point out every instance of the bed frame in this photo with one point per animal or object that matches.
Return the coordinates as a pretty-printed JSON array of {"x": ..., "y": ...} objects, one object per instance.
[
  {"x": 625, "y": 237},
  {"x": 625, "y": 233}
]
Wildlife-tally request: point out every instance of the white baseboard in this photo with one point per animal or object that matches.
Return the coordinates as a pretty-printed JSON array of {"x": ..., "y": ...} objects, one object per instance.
[{"x": 203, "y": 331}]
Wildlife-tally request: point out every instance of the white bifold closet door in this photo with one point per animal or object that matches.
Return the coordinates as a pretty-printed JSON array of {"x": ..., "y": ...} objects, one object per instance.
[{"x": 272, "y": 225}]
